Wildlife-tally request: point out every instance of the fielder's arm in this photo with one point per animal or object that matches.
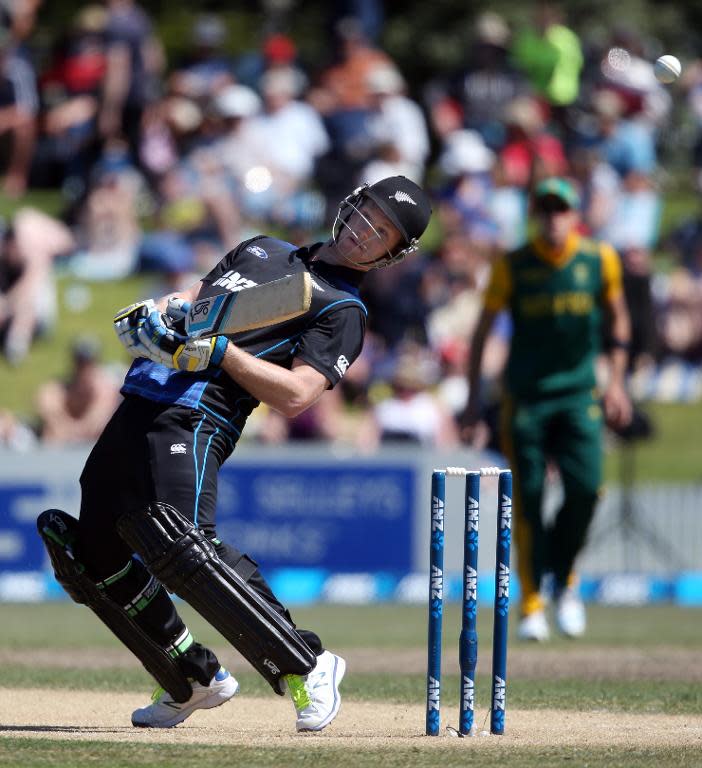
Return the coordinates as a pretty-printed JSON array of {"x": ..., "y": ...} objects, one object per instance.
[
  {"x": 475, "y": 362},
  {"x": 616, "y": 401}
]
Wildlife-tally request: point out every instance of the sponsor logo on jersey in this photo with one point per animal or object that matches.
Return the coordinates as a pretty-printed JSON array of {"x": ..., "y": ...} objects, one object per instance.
[
  {"x": 402, "y": 197},
  {"x": 341, "y": 365},
  {"x": 257, "y": 251},
  {"x": 234, "y": 281},
  {"x": 178, "y": 448}
]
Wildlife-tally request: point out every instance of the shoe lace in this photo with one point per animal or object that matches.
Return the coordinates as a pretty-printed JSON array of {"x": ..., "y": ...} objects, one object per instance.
[{"x": 298, "y": 691}]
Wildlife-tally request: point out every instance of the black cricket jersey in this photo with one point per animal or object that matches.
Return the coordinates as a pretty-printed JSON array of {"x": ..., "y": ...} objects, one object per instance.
[{"x": 328, "y": 337}]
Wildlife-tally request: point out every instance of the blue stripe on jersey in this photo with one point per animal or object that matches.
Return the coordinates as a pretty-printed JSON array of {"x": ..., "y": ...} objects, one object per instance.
[
  {"x": 321, "y": 312},
  {"x": 342, "y": 301},
  {"x": 275, "y": 346}
]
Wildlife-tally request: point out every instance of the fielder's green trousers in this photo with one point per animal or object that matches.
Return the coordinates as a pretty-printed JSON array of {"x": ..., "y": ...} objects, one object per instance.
[{"x": 565, "y": 430}]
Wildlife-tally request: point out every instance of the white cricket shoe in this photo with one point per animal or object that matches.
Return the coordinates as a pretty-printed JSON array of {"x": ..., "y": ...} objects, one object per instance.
[
  {"x": 316, "y": 695},
  {"x": 570, "y": 614},
  {"x": 534, "y": 627},
  {"x": 163, "y": 712}
]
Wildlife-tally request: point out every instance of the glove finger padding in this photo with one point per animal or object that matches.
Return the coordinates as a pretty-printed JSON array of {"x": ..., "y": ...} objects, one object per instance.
[
  {"x": 127, "y": 323},
  {"x": 165, "y": 346},
  {"x": 158, "y": 341}
]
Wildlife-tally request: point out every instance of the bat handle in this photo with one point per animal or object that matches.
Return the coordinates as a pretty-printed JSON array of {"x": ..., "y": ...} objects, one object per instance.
[{"x": 178, "y": 326}]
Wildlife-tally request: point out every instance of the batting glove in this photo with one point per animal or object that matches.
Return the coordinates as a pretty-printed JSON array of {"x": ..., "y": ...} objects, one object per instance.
[
  {"x": 127, "y": 323},
  {"x": 166, "y": 346}
]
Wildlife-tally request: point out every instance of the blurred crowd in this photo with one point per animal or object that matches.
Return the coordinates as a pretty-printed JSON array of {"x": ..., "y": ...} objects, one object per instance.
[{"x": 166, "y": 165}]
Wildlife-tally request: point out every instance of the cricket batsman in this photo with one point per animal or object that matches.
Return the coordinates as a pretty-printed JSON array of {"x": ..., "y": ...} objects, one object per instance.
[{"x": 149, "y": 487}]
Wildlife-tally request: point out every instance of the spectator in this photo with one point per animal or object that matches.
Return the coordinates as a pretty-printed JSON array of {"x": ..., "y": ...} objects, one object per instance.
[
  {"x": 133, "y": 65},
  {"x": 530, "y": 152},
  {"x": 488, "y": 82},
  {"x": 396, "y": 303},
  {"x": 626, "y": 142},
  {"x": 680, "y": 316},
  {"x": 19, "y": 104},
  {"x": 635, "y": 216},
  {"x": 284, "y": 143},
  {"x": 206, "y": 70},
  {"x": 344, "y": 101},
  {"x": 551, "y": 57},
  {"x": 70, "y": 90},
  {"x": 692, "y": 83},
  {"x": 412, "y": 413},
  {"x": 77, "y": 409},
  {"x": 107, "y": 228},
  {"x": 27, "y": 290},
  {"x": 277, "y": 51},
  {"x": 346, "y": 82},
  {"x": 599, "y": 186},
  {"x": 679, "y": 294},
  {"x": 466, "y": 164},
  {"x": 397, "y": 124},
  {"x": 15, "y": 434}
]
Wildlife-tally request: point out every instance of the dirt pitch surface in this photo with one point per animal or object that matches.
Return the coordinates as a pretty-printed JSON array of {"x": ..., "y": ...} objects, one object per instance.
[{"x": 269, "y": 722}]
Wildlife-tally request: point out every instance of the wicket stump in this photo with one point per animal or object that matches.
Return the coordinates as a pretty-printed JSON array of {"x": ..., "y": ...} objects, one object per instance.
[{"x": 468, "y": 643}]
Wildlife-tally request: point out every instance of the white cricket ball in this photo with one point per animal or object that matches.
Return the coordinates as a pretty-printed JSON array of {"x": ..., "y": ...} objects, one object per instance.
[{"x": 667, "y": 69}]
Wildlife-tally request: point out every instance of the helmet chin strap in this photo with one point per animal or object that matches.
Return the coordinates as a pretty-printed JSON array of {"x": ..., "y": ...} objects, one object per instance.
[{"x": 350, "y": 205}]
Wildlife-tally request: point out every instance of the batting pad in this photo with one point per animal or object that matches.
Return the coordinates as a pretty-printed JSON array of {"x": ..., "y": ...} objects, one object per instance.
[
  {"x": 58, "y": 531},
  {"x": 186, "y": 563}
]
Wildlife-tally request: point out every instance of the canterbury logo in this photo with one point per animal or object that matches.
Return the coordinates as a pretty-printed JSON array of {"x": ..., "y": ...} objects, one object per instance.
[{"x": 402, "y": 197}]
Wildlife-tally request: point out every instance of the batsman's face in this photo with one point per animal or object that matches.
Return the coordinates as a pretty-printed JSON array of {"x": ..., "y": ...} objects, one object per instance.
[{"x": 367, "y": 235}]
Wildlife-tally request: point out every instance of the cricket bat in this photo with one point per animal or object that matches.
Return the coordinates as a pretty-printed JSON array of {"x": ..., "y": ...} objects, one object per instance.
[{"x": 250, "y": 308}]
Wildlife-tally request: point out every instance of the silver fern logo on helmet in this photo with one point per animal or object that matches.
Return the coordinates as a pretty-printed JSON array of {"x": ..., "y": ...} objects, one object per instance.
[
  {"x": 401, "y": 197},
  {"x": 351, "y": 204}
]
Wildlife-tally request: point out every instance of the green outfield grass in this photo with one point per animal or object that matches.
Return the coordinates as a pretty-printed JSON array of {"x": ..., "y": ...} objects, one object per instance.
[
  {"x": 18, "y": 753},
  {"x": 65, "y": 625}
]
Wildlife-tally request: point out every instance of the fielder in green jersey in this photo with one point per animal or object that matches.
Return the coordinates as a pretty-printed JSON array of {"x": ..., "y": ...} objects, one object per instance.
[{"x": 564, "y": 294}]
